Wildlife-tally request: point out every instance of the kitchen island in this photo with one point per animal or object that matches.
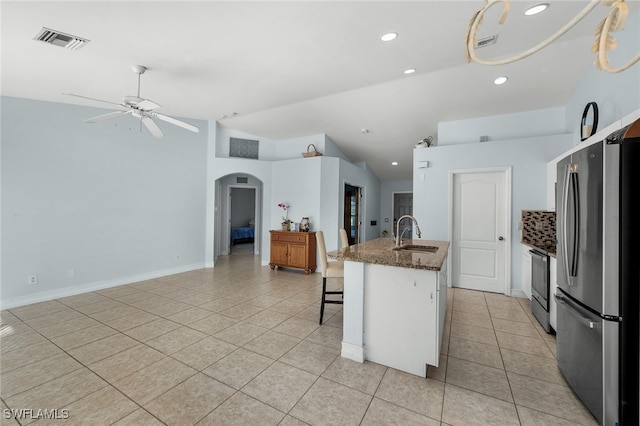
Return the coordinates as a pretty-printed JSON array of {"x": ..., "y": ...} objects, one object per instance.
[{"x": 399, "y": 297}]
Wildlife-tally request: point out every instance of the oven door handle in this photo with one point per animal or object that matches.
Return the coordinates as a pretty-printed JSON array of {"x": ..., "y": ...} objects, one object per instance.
[{"x": 596, "y": 325}]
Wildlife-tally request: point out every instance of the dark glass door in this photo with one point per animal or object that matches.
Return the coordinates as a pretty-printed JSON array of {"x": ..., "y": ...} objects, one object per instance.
[{"x": 352, "y": 213}]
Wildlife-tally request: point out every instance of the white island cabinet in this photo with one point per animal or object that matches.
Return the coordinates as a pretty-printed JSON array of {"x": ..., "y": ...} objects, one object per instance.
[
  {"x": 404, "y": 317},
  {"x": 394, "y": 304}
]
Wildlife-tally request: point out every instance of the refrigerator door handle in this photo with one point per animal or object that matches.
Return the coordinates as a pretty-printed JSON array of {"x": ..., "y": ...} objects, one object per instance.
[
  {"x": 573, "y": 174},
  {"x": 565, "y": 205},
  {"x": 571, "y": 191},
  {"x": 582, "y": 320}
]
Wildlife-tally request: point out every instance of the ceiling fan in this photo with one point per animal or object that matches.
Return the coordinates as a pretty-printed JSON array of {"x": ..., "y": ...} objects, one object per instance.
[{"x": 139, "y": 108}]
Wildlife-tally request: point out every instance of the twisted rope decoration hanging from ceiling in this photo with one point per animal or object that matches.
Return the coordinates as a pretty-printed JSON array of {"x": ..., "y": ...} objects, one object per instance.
[{"x": 604, "y": 41}]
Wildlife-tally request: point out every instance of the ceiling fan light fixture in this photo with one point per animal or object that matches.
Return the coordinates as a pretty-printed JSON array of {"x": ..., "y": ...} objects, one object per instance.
[
  {"x": 389, "y": 36},
  {"x": 138, "y": 69},
  {"x": 534, "y": 10},
  {"x": 140, "y": 108}
]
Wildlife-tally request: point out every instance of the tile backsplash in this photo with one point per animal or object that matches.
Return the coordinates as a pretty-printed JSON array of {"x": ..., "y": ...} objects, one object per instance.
[{"x": 539, "y": 229}]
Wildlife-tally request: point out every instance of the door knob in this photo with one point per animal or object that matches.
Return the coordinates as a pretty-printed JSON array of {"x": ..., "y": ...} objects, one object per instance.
[{"x": 501, "y": 238}]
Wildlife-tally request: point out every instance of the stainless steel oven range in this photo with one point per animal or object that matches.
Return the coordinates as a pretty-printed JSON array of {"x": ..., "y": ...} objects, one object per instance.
[{"x": 540, "y": 288}]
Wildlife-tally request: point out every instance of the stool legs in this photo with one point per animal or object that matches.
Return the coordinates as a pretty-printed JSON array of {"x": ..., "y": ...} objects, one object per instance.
[{"x": 324, "y": 297}]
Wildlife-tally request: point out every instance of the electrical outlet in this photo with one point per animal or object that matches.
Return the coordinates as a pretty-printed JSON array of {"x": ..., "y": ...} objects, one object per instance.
[{"x": 32, "y": 279}]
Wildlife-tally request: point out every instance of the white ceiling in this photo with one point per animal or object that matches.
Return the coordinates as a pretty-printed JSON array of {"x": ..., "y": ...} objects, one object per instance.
[{"x": 294, "y": 69}]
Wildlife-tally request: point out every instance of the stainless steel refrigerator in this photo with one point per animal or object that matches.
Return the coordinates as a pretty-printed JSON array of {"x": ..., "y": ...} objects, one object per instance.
[{"x": 598, "y": 254}]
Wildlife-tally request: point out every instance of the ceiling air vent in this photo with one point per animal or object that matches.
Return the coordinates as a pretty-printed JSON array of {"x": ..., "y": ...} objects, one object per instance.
[
  {"x": 61, "y": 39},
  {"x": 487, "y": 41}
]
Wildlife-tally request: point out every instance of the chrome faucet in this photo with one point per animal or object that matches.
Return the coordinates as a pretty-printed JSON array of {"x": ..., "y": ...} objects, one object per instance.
[
  {"x": 402, "y": 234},
  {"x": 398, "y": 236}
]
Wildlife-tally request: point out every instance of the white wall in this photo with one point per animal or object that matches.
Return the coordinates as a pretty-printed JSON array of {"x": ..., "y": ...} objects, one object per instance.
[
  {"x": 616, "y": 94},
  {"x": 526, "y": 124},
  {"x": 293, "y": 148},
  {"x": 386, "y": 201},
  {"x": 314, "y": 187},
  {"x": 297, "y": 183},
  {"x": 528, "y": 157},
  {"x": 218, "y": 168},
  {"x": 331, "y": 201},
  {"x": 88, "y": 206},
  {"x": 332, "y": 150}
]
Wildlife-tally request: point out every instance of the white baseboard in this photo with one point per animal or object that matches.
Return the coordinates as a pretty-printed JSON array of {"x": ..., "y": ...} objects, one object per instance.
[
  {"x": 518, "y": 293},
  {"x": 352, "y": 352},
  {"x": 99, "y": 285}
]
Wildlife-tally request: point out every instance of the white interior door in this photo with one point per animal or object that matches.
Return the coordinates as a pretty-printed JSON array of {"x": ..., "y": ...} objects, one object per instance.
[
  {"x": 402, "y": 205},
  {"x": 480, "y": 240}
]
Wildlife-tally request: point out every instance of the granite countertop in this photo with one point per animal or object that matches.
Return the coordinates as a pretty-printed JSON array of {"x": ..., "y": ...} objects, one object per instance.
[
  {"x": 379, "y": 252},
  {"x": 549, "y": 250}
]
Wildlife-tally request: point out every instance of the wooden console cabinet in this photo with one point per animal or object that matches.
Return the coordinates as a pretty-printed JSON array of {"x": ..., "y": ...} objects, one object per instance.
[{"x": 293, "y": 250}]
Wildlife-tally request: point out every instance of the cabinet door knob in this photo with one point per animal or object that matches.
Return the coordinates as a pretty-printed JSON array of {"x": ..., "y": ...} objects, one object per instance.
[{"x": 501, "y": 238}]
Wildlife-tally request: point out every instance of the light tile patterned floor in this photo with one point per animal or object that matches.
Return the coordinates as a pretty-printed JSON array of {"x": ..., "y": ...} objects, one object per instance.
[{"x": 240, "y": 344}]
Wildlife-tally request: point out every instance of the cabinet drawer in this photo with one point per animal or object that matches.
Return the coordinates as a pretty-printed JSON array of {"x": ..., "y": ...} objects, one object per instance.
[{"x": 289, "y": 237}]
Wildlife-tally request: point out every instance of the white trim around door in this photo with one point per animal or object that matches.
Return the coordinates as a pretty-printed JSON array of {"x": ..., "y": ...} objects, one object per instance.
[{"x": 493, "y": 245}]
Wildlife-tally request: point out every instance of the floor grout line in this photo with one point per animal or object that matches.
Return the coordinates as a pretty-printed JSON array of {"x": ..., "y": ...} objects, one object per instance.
[{"x": 287, "y": 286}]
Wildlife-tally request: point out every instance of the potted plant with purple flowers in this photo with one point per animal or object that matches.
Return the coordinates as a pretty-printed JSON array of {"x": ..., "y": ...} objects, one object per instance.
[{"x": 286, "y": 223}]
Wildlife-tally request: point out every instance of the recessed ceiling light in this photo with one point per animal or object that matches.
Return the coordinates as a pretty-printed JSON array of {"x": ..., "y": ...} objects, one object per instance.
[
  {"x": 500, "y": 80},
  {"x": 410, "y": 71},
  {"x": 536, "y": 9},
  {"x": 395, "y": 163},
  {"x": 389, "y": 36}
]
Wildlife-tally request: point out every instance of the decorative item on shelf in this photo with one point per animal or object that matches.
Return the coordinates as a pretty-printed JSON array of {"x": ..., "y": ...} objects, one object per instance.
[
  {"x": 425, "y": 143},
  {"x": 305, "y": 225},
  {"x": 286, "y": 223},
  {"x": 310, "y": 153},
  {"x": 588, "y": 127}
]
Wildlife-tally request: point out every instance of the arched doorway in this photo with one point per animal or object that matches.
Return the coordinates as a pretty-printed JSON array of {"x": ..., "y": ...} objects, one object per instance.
[{"x": 237, "y": 214}]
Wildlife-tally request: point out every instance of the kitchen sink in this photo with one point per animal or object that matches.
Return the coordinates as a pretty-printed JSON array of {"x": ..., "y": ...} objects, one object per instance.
[{"x": 418, "y": 248}]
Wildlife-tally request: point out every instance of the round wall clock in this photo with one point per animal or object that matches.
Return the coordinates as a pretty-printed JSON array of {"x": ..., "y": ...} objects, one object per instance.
[{"x": 589, "y": 123}]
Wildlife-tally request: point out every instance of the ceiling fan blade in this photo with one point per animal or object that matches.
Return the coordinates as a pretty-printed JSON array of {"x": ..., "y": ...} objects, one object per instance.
[
  {"x": 105, "y": 116},
  {"x": 92, "y": 99},
  {"x": 176, "y": 122},
  {"x": 147, "y": 105},
  {"x": 151, "y": 126}
]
